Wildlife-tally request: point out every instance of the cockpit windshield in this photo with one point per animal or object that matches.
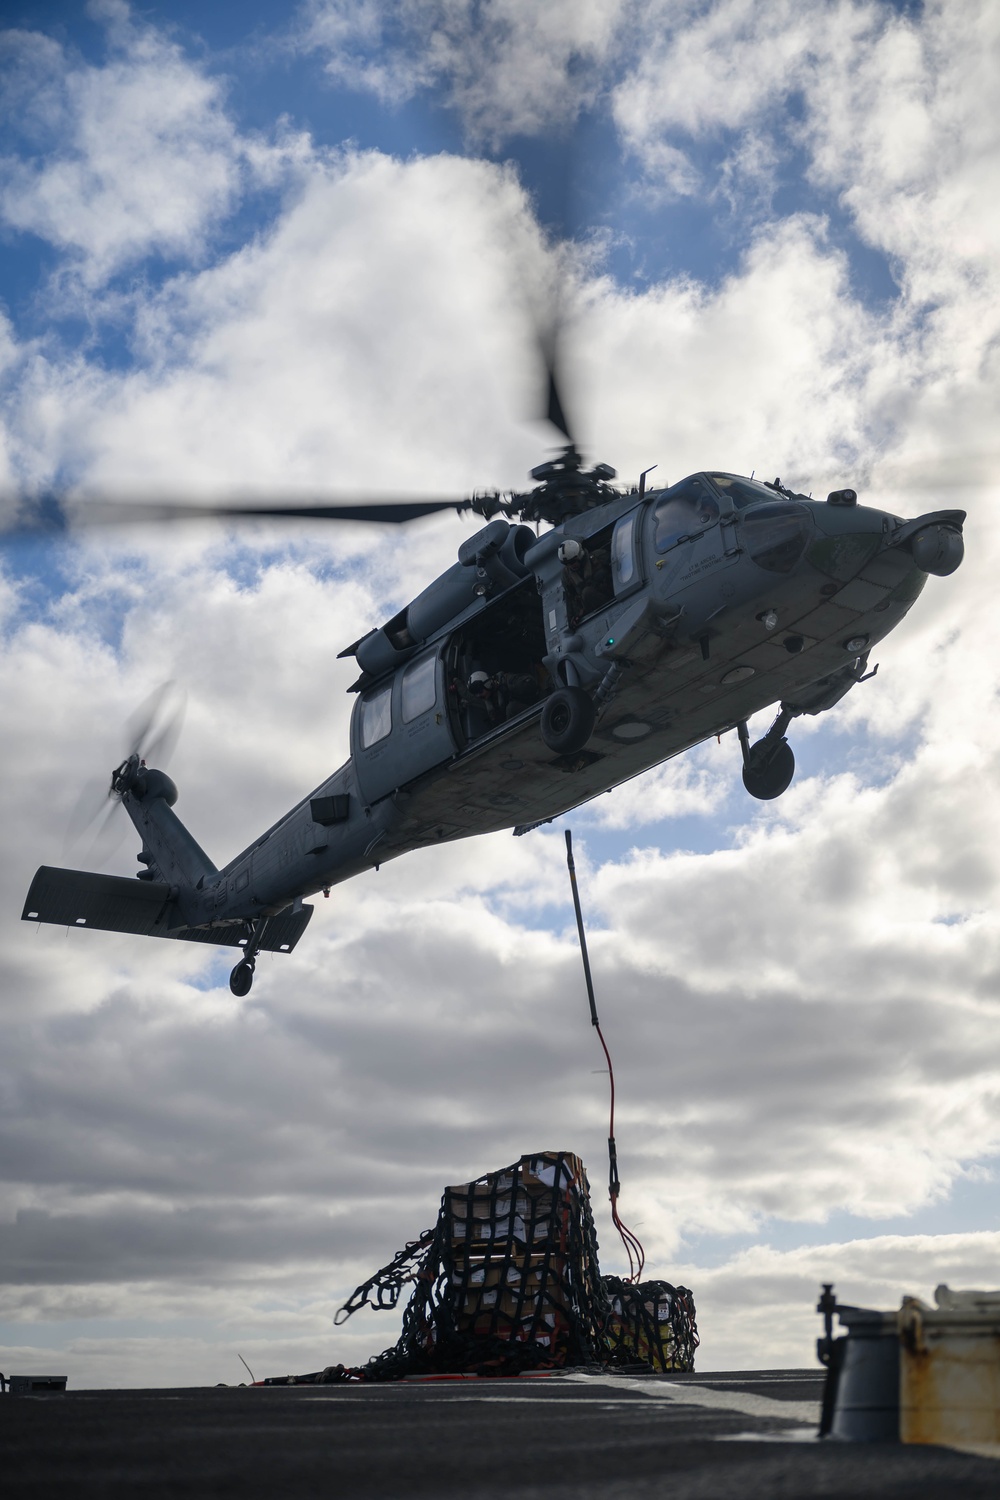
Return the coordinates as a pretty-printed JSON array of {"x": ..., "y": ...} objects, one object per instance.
[{"x": 743, "y": 492}]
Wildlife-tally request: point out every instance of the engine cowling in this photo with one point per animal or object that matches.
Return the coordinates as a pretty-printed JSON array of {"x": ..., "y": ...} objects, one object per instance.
[{"x": 492, "y": 559}]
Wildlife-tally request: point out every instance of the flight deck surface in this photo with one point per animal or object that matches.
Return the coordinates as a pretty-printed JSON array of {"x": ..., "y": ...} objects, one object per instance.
[{"x": 569, "y": 1436}]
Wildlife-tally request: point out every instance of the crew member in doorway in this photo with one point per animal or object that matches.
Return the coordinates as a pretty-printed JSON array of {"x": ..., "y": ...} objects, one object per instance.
[
  {"x": 514, "y": 692},
  {"x": 503, "y": 695},
  {"x": 587, "y": 584},
  {"x": 477, "y": 699}
]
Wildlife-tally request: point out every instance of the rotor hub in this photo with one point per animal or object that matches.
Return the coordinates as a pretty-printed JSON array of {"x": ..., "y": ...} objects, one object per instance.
[
  {"x": 566, "y": 489},
  {"x": 125, "y": 776}
]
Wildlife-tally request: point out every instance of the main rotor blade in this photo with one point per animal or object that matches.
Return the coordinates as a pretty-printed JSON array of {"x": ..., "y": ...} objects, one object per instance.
[
  {"x": 52, "y": 512},
  {"x": 555, "y": 411},
  {"x": 548, "y": 330}
]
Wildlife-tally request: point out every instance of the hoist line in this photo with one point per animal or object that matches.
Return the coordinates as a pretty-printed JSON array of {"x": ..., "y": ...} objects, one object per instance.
[{"x": 633, "y": 1247}]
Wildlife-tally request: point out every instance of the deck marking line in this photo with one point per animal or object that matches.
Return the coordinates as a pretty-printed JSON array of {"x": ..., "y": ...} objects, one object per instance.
[{"x": 747, "y": 1404}]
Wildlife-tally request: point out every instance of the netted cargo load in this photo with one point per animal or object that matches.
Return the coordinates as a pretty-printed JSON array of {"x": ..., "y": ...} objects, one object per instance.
[
  {"x": 649, "y": 1323},
  {"x": 508, "y": 1281}
]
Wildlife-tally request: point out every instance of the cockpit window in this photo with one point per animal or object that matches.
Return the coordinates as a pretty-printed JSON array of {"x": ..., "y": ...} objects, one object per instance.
[
  {"x": 684, "y": 511},
  {"x": 775, "y": 535},
  {"x": 743, "y": 491},
  {"x": 624, "y": 568}
]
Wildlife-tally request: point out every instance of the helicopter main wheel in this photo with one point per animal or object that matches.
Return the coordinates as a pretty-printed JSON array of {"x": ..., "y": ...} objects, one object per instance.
[
  {"x": 568, "y": 720},
  {"x": 241, "y": 978},
  {"x": 767, "y": 781}
]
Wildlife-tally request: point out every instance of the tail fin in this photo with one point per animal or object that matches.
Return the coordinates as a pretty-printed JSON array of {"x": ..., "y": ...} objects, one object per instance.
[
  {"x": 113, "y": 903},
  {"x": 168, "y": 850}
]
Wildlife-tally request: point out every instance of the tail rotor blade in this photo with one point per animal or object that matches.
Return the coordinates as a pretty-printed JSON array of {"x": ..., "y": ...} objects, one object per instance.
[
  {"x": 95, "y": 827},
  {"x": 139, "y": 724},
  {"x": 154, "y": 729},
  {"x": 109, "y": 833},
  {"x": 162, "y": 741},
  {"x": 91, "y": 805}
]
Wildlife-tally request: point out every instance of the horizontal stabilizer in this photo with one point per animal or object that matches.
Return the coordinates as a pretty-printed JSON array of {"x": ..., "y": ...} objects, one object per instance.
[
  {"x": 280, "y": 935},
  {"x": 113, "y": 903}
]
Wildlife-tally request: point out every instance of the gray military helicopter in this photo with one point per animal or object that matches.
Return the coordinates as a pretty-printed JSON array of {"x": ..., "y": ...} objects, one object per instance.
[{"x": 536, "y": 672}]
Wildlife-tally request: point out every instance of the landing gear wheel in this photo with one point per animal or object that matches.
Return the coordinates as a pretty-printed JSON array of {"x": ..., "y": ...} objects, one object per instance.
[
  {"x": 241, "y": 978},
  {"x": 769, "y": 780},
  {"x": 568, "y": 720}
]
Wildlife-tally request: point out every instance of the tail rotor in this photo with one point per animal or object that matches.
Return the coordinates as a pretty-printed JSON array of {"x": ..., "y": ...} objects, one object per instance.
[{"x": 151, "y": 733}]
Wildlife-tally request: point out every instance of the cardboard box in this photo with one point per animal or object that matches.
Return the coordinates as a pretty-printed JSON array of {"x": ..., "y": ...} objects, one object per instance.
[
  {"x": 527, "y": 1269},
  {"x": 544, "y": 1170},
  {"x": 524, "y": 1230},
  {"x": 510, "y": 1274},
  {"x": 532, "y": 1302},
  {"x": 540, "y": 1172},
  {"x": 461, "y": 1204},
  {"x": 546, "y": 1331}
]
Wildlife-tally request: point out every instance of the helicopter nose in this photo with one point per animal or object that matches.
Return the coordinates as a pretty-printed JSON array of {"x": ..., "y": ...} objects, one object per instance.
[
  {"x": 938, "y": 549},
  {"x": 933, "y": 541}
]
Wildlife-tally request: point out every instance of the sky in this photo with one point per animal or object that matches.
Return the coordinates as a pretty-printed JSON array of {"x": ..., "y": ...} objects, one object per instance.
[{"x": 302, "y": 249}]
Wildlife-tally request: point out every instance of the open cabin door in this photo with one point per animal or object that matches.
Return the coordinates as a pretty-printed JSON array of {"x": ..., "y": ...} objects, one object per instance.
[
  {"x": 503, "y": 644},
  {"x": 400, "y": 728}
]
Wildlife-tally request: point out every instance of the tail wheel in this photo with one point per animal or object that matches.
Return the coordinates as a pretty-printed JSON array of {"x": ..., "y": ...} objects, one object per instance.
[
  {"x": 241, "y": 978},
  {"x": 568, "y": 720}
]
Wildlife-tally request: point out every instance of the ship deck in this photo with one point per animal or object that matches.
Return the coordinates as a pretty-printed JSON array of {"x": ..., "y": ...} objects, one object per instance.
[{"x": 567, "y": 1436}]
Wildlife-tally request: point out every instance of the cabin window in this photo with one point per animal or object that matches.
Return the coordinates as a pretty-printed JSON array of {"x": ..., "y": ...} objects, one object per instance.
[
  {"x": 776, "y": 535},
  {"x": 376, "y": 716},
  {"x": 623, "y": 560},
  {"x": 683, "y": 512},
  {"x": 419, "y": 687}
]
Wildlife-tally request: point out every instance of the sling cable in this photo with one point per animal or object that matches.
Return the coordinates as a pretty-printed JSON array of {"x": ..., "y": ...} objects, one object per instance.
[{"x": 633, "y": 1248}]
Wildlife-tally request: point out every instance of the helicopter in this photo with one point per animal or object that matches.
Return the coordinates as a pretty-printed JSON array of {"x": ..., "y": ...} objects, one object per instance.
[{"x": 543, "y": 668}]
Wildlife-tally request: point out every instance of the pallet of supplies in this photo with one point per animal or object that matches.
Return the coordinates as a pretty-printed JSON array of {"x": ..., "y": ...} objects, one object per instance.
[
  {"x": 650, "y": 1323},
  {"x": 508, "y": 1281}
]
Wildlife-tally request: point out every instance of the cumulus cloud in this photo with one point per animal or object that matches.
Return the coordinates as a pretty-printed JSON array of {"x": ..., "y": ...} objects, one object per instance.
[
  {"x": 739, "y": 1298},
  {"x": 675, "y": 790},
  {"x": 507, "y": 67},
  {"x": 117, "y": 160},
  {"x": 803, "y": 1017},
  {"x": 886, "y": 110}
]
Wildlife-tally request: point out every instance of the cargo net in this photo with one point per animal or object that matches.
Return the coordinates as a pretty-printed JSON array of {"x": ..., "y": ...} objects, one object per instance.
[
  {"x": 649, "y": 1323},
  {"x": 508, "y": 1281}
]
